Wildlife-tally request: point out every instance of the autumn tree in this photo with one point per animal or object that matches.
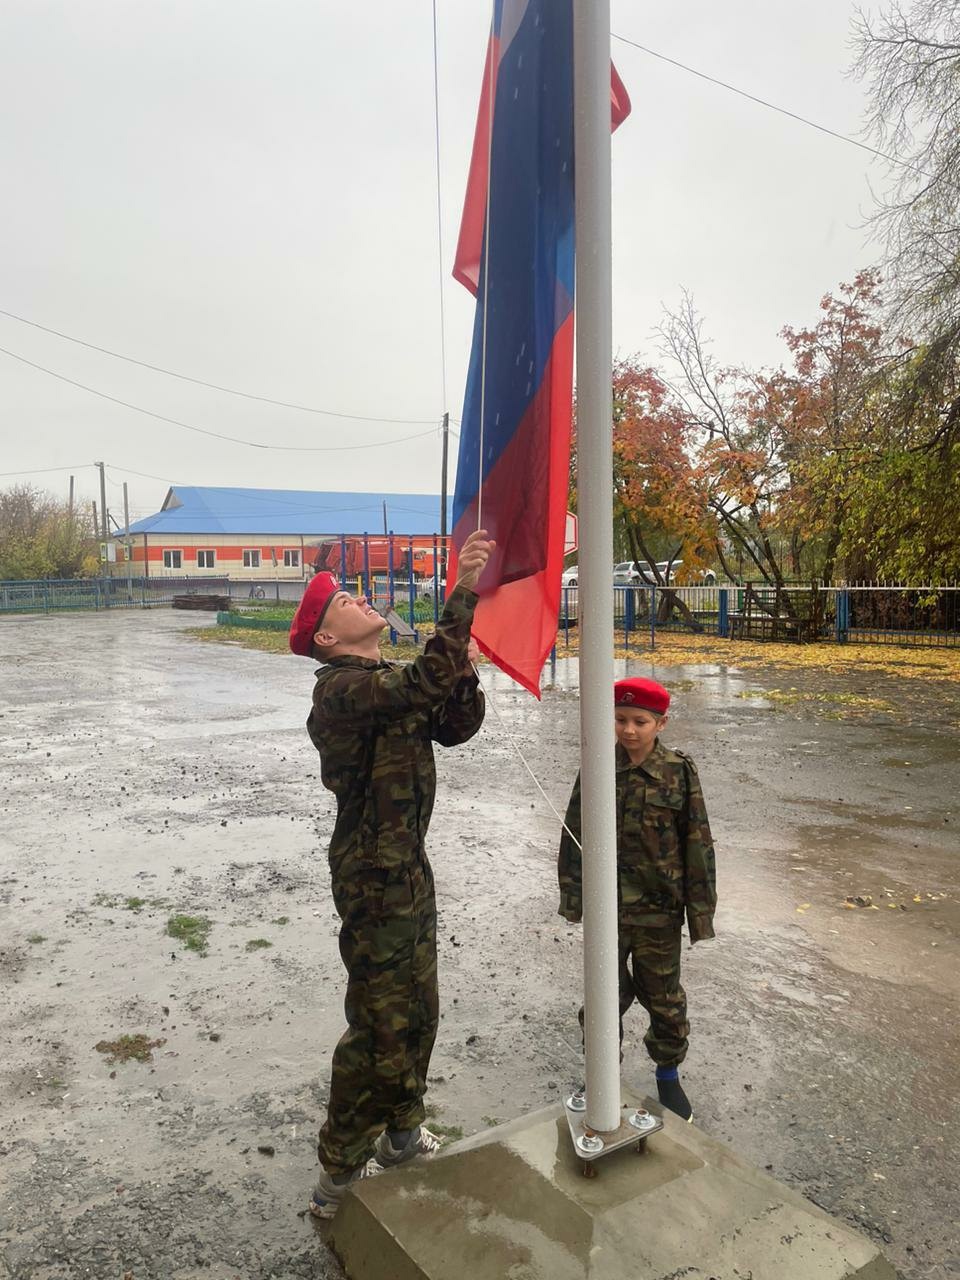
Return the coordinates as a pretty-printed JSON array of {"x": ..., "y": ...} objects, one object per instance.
[
  {"x": 734, "y": 443},
  {"x": 41, "y": 538},
  {"x": 909, "y": 60},
  {"x": 832, "y": 419},
  {"x": 908, "y": 56},
  {"x": 660, "y": 511}
]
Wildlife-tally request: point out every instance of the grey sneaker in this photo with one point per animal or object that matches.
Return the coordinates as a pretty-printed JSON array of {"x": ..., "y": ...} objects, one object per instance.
[
  {"x": 328, "y": 1194},
  {"x": 421, "y": 1142}
]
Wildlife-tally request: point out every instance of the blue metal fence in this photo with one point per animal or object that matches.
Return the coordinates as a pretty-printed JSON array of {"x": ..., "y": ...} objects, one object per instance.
[
  {"x": 878, "y": 613},
  {"x": 648, "y": 609},
  {"x": 865, "y": 613},
  {"x": 55, "y": 594},
  {"x": 860, "y": 613}
]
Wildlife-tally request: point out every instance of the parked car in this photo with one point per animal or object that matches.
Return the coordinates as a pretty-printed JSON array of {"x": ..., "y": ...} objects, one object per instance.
[
  {"x": 569, "y": 577},
  {"x": 626, "y": 573}
]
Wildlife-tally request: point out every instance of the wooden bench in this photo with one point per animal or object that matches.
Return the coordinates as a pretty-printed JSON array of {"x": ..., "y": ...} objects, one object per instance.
[{"x": 778, "y": 614}]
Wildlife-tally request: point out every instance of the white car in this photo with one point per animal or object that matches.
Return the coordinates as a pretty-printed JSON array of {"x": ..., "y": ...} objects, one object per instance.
[
  {"x": 569, "y": 577},
  {"x": 626, "y": 573}
]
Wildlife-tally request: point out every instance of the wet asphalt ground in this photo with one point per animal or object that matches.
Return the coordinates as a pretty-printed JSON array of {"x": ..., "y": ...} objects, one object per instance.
[{"x": 139, "y": 764}]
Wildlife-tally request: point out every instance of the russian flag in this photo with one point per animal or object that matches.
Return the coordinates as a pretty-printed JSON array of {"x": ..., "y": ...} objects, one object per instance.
[{"x": 513, "y": 466}]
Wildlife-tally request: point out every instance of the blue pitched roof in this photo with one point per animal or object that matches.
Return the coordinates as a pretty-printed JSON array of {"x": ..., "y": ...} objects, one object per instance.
[{"x": 188, "y": 509}]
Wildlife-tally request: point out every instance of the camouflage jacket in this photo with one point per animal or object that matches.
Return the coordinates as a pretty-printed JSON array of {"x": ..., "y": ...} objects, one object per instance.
[
  {"x": 374, "y": 723},
  {"x": 665, "y": 855}
]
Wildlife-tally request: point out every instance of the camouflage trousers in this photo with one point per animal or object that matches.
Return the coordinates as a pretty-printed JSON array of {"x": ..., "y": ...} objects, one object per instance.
[
  {"x": 388, "y": 942},
  {"x": 649, "y": 972}
]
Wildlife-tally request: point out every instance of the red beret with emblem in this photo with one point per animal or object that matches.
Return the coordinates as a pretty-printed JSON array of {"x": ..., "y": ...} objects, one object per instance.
[
  {"x": 320, "y": 591},
  {"x": 645, "y": 695}
]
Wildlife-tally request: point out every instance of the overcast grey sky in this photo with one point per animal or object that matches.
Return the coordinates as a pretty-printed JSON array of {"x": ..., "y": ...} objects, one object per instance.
[{"x": 245, "y": 193}]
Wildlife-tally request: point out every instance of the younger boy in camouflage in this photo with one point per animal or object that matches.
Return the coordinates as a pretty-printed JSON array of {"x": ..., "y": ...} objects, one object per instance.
[
  {"x": 374, "y": 723},
  {"x": 666, "y": 868}
]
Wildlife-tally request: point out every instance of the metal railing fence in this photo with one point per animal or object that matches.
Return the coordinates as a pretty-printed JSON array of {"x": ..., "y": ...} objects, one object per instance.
[{"x": 51, "y": 595}]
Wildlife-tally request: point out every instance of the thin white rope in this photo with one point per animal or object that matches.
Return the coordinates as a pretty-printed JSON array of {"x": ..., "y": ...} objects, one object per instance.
[
  {"x": 523, "y": 759},
  {"x": 436, "y": 124},
  {"x": 486, "y": 270}
]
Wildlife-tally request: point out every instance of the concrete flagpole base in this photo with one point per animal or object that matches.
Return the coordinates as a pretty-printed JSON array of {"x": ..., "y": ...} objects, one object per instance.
[{"x": 513, "y": 1202}]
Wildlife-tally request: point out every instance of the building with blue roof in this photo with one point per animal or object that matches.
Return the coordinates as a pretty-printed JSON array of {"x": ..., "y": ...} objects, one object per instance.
[{"x": 206, "y": 531}]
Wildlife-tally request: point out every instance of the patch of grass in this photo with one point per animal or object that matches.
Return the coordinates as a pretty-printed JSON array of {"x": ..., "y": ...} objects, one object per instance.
[
  {"x": 116, "y": 901},
  {"x": 490, "y": 1121},
  {"x": 454, "y": 1131},
  {"x": 431, "y": 1111},
  {"x": 281, "y": 920},
  {"x": 278, "y": 641},
  {"x": 192, "y": 931},
  {"x": 266, "y": 641},
  {"x": 422, "y": 610},
  {"x": 849, "y": 702},
  {"x": 277, "y": 611},
  {"x": 137, "y": 1048},
  {"x": 35, "y": 937},
  {"x": 258, "y": 944}
]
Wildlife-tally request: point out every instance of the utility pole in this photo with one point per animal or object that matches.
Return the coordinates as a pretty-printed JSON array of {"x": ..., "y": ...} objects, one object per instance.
[
  {"x": 443, "y": 498},
  {"x": 70, "y": 500},
  {"x": 385, "y": 516},
  {"x": 104, "y": 522},
  {"x": 126, "y": 540}
]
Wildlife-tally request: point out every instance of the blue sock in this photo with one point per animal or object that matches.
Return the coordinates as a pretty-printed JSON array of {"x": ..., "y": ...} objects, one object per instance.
[{"x": 668, "y": 1073}]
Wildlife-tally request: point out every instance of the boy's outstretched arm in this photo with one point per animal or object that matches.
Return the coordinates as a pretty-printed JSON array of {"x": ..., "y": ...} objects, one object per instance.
[
  {"x": 392, "y": 692},
  {"x": 699, "y": 861},
  {"x": 569, "y": 866}
]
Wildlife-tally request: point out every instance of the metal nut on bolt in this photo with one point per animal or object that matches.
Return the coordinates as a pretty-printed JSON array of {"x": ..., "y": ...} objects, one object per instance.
[
  {"x": 577, "y": 1101},
  {"x": 642, "y": 1120},
  {"x": 591, "y": 1143}
]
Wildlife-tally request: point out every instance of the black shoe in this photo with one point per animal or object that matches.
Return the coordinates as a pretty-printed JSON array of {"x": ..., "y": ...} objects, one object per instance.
[{"x": 674, "y": 1099}]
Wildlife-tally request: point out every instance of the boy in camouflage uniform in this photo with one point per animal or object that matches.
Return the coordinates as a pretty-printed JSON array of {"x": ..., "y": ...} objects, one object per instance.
[
  {"x": 666, "y": 868},
  {"x": 374, "y": 723}
]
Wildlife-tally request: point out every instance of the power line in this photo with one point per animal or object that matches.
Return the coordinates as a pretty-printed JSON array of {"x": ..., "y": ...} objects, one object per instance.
[
  {"x": 772, "y": 106},
  {"x": 36, "y": 471},
  {"x": 204, "y": 431},
  {"x": 213, "y": 386},
  {"x": 144, "y": 475}
]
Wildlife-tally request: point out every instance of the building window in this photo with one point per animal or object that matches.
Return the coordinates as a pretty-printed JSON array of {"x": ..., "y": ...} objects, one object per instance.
[
  {"x": 172, "y": 559},
  {"x": 291, "y": 559},
  {"x": 251, "y": 559},
  {"x": 206, "y": 559}
]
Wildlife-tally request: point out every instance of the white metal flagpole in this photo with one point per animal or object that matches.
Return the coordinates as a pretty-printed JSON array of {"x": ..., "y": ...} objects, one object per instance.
[{"x": 591, "y": 82}]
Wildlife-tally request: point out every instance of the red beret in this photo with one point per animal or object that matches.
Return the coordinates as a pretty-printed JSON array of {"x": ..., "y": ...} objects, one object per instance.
[
  {"x": 320, "y": 591},
  {"x": 645, "y": 695}
]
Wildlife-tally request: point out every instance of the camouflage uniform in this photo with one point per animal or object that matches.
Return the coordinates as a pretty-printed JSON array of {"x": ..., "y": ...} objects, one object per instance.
[
  {"x": 666, "y": 868},
  {"x": 374, "y": 723}
]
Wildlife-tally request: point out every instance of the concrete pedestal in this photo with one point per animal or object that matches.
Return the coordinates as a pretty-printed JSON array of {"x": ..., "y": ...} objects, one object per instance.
[{"x": 512, "y": 1204}]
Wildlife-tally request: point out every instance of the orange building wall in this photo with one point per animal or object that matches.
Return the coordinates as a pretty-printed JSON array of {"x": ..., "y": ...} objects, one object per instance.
[{"x": 228, "y": 557}]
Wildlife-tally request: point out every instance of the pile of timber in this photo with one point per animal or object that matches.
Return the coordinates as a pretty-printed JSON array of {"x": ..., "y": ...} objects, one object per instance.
[{"x": 210, "y": 604}]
